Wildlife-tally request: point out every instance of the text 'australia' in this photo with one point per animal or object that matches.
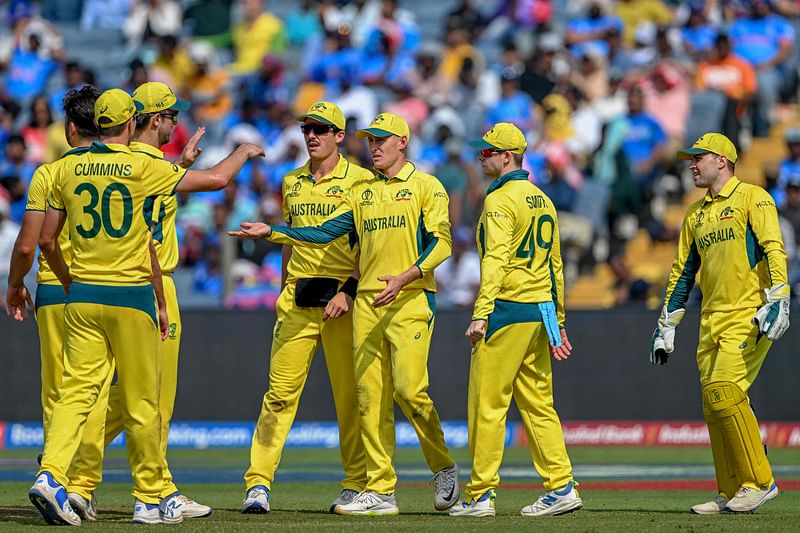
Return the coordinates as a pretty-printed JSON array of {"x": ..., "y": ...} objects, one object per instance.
[{"x": 377, "y": 223}]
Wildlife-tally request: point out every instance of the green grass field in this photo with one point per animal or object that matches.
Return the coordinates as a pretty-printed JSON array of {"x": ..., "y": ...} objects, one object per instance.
[{"x": 299, "y": 502}]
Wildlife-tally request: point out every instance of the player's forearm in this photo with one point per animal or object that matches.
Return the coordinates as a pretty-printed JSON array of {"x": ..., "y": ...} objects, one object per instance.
[
  {"x": 492, "y": 272},
  {"x": 155, "y": 278},
  {"x": 21, "y": 262},
  {"x": 437, "y": 250},
  {"x": 315, "y": 236},
  {"x": 286, "y": 255},
  {"x": 55, "y": 259}
]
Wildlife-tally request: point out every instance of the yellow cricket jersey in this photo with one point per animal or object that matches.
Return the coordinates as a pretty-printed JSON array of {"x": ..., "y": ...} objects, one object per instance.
[
  {"x": 161, "y": 212},
  {"x": 38, "y": 192},
  {"x": 103, "y": 193},
  {"x": 736, "y": 239},
  {"x": 309, "y": 203},
  {"x": 517, "y": 236},
  {"x": 399, "y": 221}
]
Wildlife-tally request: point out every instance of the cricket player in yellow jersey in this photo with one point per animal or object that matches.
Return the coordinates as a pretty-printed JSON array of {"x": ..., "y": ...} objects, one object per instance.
[
  {"x": 80, "y": 131},
  {"x": 313, "y": 307},
  {"x": 400, "y": 217},
  {"x": 732, "y": 233},
  {"x": 518, "y": 321},
  {"x": 156, "y": 116},
  {"x": 110, "y": 317}
]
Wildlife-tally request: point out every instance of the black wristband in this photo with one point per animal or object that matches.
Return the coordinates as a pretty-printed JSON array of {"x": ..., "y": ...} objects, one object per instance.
[{"x": 350, "y": 287}]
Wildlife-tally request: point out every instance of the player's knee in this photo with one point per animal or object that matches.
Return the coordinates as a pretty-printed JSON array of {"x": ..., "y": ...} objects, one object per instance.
[{"x": 722, "y": 398}]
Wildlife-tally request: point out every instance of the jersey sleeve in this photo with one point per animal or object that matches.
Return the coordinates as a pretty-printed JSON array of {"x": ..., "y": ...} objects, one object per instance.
[
  {"x": 161, "y": 177},
  {"x": 496, "y": 233},
  {"x": 287, "y": 216},
  {"x": 39, "y": 190},
  {"x": 55, "y": 199},
  {"x": 435, "y": 242},
  {"x": 763, "y": 220},
  {"x": 340, "y": 223},
  {"x": 557, "y": 273},
  {"x": 684, "y": 268}
]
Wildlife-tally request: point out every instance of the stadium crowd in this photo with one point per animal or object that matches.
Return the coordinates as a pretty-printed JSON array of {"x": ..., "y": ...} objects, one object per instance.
[{"x": 605, "y": 91}]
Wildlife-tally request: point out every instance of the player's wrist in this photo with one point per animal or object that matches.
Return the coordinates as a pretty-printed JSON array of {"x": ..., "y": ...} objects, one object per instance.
[{"x": 350, "y": 287}]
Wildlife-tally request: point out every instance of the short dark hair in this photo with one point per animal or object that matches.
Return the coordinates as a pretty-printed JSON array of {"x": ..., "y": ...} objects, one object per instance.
[
  {"x": 78, "y": 108},
  {"x": 113, "y": 131},
  {"x": 16, "y": 139},
  {"x": 731, "y": 165},
  {"x": 143, "y": 120},
  {"x": 518, "y": 158}
]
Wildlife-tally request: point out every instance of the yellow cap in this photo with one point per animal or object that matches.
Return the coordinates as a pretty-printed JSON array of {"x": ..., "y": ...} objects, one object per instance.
[
  {"x": 385, "y": 125},
  {"x": 503, "y": 136},
  {"x": 154, "y": 97},
  {"x": 112, "y": 108},
  {"x": 325, "y": 112},
  {"x": 716, "y": 143}
]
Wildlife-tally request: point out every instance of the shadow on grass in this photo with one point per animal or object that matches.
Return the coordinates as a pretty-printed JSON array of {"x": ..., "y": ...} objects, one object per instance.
[{"x": 18, "y": 514}]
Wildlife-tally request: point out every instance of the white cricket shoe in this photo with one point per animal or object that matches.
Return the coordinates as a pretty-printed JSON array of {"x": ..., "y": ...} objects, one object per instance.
[
  {"x": 155, "y": 513},
  {"x": 256, "y": 501},
  {"x": 748, "y": 500},
  {"x": 370, "y": 503},
  {"x": 50, "y": 498},
  {"x": 555, "y": 502},
  {"x": 87, "y": 510},
  {"x": 483, "y": 506},
  {"x": 715, "y": 506},
  {"x": 446, "y": 490},
  {"x": 187, "y": 506},
  {"x": 344, "y": 498}
]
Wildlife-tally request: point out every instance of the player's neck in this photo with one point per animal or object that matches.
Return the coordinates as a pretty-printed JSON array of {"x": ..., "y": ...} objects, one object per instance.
[
  {"x": 393, "y": 170},
  {"x": 148, "y": 138},
  {"x": 323, "y": 167},
  {"x": 719, "y": 184}
]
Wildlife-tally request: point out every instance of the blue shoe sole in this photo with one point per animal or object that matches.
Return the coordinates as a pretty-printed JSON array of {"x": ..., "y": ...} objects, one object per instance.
[{"x": 44, "y": 507}]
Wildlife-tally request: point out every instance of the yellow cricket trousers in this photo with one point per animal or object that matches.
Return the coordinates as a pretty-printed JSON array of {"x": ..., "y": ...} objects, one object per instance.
[
  {"x": 107, "y": 326},
  {"x": 514, "y": 360},
  {"x": 104, "y": 424},
  {"x": 391, "y": 359},
  {"x": 297, "y": 333},
  {"x": 50, "y": 323}
]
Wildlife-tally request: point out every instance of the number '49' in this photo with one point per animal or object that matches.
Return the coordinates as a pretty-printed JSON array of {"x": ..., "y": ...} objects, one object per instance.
[{"x": 532, "y": 239}]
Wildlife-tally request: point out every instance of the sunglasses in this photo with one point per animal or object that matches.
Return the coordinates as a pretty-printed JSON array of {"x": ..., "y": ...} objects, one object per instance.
[
  {"x": 489, "y": 152},
  {"x": 317, "y": 129},
  {"x": 171, "y": 116}
]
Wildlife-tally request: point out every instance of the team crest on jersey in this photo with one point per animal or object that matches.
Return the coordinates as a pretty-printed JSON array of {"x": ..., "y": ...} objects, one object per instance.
[
  {"x": 173, "y": 329},
  {"x": 403, "y": 195},
  {"x": 334, "y": 192},
  {"x": 726, "y": 213},
  {"x": 699, "y": 220},
  {"x": 295, "y": 190},
  {"x": 367, "y": 197}
]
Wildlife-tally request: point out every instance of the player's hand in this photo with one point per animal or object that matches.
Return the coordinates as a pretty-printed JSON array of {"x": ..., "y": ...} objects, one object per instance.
[
  {"x": 388, "y": 295},
  {"x": 18, "y": 300},
  {"x": 772, "y": 318},
  {"x": 163, "y": 322},
  {"x": 192, "y": 149},
  {"x": 338, "y": 306},
  {"x": 252, "y": 230},
  {"x": 251, "y": 150},
  {"x": 560, "y": 353},
  {"x": 663, "y": 339},
  {"x": 476, "y": 331}
]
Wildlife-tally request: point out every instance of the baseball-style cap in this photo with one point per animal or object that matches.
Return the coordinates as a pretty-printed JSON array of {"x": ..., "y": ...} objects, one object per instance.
[
  {"x": 154, "y": 97},
  {"x": 716, "y": 143},
  {"x": 112, "y": 108},
  {"x": 503, "y": 136},
  {"x": 385, "y": 125},
  {"x": 325, "y": 112}
]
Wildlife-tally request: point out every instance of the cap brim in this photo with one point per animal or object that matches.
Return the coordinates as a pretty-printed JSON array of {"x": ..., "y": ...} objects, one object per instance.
[
  {"x": 480, "y": 144},
  {"x": 138, "y": 105},
  {"x": 318, "y": 118},
  {"x": 373, "y": 132},
  {"x": 181, "y": 105},
  {"x": 688, "y": 153}
]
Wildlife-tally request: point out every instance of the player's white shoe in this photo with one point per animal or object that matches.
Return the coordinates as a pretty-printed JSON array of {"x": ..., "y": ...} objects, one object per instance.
[
  {"x": 87, "y": 510},
  {"x": 370, "y": 503},
  {"x": 256, "y": 501},
  {"x": 344, "y": 498},
  {"x": 483, "y": 506},
  {"x": 50, "y": 498},
  {"x": 555, "y": 502},
  {"x": 445, "y": 488},
  {"x": 715, "y": 506},
  {"x": 156, "y": 513},
  {"x": 187, "y": 506},
  {"x": 748, "y": 500}
]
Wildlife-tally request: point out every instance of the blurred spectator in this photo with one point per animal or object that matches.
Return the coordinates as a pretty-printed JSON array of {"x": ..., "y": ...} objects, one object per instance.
[
  {"x": 514, "y": 105},
  {"x": 765, "y": 40},
  {"x": 357, "y": 101},
  {"x": 697, "y": 35},
  {"x": 466, "y": 16},
  {"x": 137, "y": 74},
  {"x": 541, "y": 75},
  {"x": 459, "y": 276},
  {"x": 667, "y": 98},
  {"x": 150, "y": 19},
  {"x": 303, "y": 22},
  {"x": 644, "y": 142},
  {"x": 454, "y": 177},
  {"x": 731, "y": 82},
  {"x": 476, "y": 91},
  {"x": 258, "y": 34},
  {"x": 74, "y": 78},
  {"x": 427, "y": 79},
  {"x": 14, "y": 179},
  {"x": 173, "y": 61},
  {"x": 587, "y": 33},
  {"x": 790, "y": 213},
  {"x": 44, "y": 139},
  {"x": 644, "y": 53},
  {"x": 789, "y": 169},
  {"x": 208, "y": 91},
  {"x": 408, "y": 106},
  {"x": 586, "y": 123},
  {"x": 267, "y": 86},
  {"x": 104, "y": 14},
  {"x": 33, "y": 61},
  {"x": 15, "y": 161},
  {"x": 517, "y": 18},
  {"x": 591, "y": 75},
  {"x": 635, "y": 13},
  {"x": 8, "y": 236},
  {"x": 457, "y": 50}
]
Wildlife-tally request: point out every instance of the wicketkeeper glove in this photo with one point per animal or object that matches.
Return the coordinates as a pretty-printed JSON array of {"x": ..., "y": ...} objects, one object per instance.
[
  {"x": 772, "y": 318},
  {"x": 663, "y": 341}
]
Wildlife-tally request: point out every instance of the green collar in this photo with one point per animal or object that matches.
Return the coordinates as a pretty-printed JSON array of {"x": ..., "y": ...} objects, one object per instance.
[{"x": 513, "y": 175}]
